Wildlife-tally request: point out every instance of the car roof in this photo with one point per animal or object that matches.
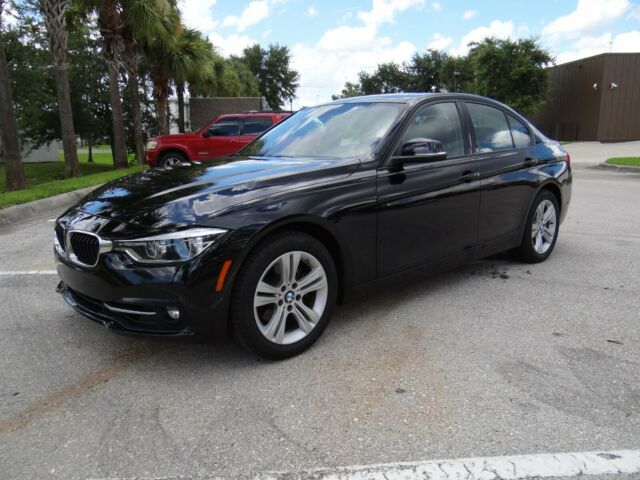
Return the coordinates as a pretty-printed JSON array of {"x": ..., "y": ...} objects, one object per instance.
[
  {"x": 254, "y": 114},
  {"x": 412, "y": 98}
]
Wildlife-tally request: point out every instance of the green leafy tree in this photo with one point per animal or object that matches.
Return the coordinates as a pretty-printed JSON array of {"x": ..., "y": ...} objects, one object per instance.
[
  {"x": 455, "y": 74},
  {"x": 200, "y": 71},
  {"x": 33, "y": 81},
  {"x": 9, "y": 129},
  {"x": 511, "y": 71},
  {"x": 387, "y": 78},
  {"x": 350, "y": 90},
  {"x": 278, "y": 82},
  {"x": 234, "y": 79},
  {"x": 187, "y": 55},
  {"x": 425, "y": 71}
]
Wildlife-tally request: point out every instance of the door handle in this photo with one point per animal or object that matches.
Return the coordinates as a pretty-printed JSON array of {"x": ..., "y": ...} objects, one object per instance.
[{"x": 469, "y": 176}]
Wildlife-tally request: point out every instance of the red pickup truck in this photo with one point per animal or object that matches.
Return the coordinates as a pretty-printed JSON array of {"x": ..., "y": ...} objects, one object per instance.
[{"x": 224, "y": 135}]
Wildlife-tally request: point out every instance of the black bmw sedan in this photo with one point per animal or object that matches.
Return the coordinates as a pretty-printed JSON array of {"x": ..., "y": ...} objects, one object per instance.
[{"x": 264, "y": 243}]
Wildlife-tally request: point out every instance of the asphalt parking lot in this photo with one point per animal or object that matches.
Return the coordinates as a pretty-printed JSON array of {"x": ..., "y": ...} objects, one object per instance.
[{"x": 494, "y": 358}]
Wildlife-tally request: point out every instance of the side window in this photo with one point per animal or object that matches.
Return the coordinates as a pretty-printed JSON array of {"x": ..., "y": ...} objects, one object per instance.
[
  {"x": 519, "y": 132},
  {"x": 439, "y": 122},
  {"x": 490, "y": 125},
  {"x": 256, "y": 125},
  {"x": 225, "y": 128}
]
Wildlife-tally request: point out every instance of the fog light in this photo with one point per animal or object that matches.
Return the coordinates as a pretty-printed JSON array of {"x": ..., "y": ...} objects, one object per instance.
[{"x": 174, "y": 313}]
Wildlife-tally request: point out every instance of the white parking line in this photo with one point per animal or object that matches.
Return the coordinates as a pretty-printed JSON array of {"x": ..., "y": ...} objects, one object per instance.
[
  {"x": 9, "y": 273},
  {"x": 545, "y": 465}
]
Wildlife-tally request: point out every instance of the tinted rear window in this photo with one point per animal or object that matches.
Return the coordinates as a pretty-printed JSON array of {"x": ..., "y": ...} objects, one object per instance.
[{"x": 256, "y": 125}]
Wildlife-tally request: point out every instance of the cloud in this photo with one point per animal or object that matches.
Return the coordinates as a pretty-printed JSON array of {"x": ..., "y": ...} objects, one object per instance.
[
  {"x": 253, "y": 13},
  {"x": 496, "y": 29},
  {"x": 198, "y": 14},
  {"x": 469, "y": 14},
  {"x": 344, "y": 51},
  {"x": 312, "y": 11},
  {"x": 588, "y": 16},
  {"x": 439, "y": 42},
  {"x": 232, "y": 44},
  {"x": 436, "y": 6},
  {"x": 588, "y": 46},
  {"x": 384, "y": 11}
]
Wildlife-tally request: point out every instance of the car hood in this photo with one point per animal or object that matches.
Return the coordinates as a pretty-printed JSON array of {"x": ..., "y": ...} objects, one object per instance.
[{"x": 193, "y": 193}]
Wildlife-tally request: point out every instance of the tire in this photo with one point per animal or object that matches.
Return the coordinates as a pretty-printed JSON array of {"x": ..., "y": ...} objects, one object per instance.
[
  {"x": 170, "y": 159},
  {"x": 543, "y": 221},
  {"x": 284, "y": 316}
]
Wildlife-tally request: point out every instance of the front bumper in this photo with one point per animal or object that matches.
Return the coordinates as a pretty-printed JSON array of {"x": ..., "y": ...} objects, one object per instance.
[
  {"x": 138, "y": 316},
  {"x": 151, "y": 157},
  {"x": 136, "y": 299}
]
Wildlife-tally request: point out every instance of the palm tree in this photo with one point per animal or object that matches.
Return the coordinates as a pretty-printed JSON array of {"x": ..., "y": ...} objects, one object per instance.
[
  {"x": 190, "y": 58},
  {"x": 54, "y": 12},
  {"x": 201, "y": 72},
  {"x": 12, "y": 155},
  {"x": 144, "y": 21}
]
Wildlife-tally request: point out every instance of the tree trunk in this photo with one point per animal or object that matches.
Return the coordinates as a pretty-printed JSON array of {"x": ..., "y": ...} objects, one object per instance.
[
  {"x": 180, "y": 92},
  {"x": 71, "y": 164},
  {"x": 90, "y": 156},
  {"x": 118, "y": 145},
  {"x": 131, "y": 62},
  {"x": 109, "y": 22},
  {"x": 11, "y": 145},
  {"x": 163, "y": 121},
  {"x": 54, "y": 14},
  {"x": 137, "y": 116}
]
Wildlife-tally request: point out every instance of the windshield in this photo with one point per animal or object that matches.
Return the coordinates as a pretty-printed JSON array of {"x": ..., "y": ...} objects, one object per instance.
[{"x": 337, "y": 131}]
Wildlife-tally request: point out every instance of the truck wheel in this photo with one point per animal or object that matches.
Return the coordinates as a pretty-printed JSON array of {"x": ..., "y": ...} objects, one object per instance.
[{"x": 171, "y": 159}]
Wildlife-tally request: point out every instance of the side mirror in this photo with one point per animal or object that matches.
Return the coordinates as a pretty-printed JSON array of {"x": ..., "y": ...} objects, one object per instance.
[{"x": 424, "y": 149}]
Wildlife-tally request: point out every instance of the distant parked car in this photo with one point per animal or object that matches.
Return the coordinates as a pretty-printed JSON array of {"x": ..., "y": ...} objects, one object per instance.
[{"x": 224, "y": 135}]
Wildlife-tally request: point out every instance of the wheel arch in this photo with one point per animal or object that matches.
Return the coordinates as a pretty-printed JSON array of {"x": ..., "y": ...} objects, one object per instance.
[
  {"x": 311, "y": 225},
  {"x": 555, "y": 190},
  {"x": 173, "y": 149}
]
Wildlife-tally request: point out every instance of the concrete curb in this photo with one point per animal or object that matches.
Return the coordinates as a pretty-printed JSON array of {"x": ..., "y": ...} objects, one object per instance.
[
  {"x": 619, "y": 168},
  {"x": 26, "y": 211}
]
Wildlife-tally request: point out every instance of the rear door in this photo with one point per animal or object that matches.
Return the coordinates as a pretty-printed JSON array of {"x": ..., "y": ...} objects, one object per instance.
[
  {"x": 223, "y": 137},
  {"x": 253, "y": 127},
  {"x": 504, "y": 151},
  {"x": 429, "y": 211}
]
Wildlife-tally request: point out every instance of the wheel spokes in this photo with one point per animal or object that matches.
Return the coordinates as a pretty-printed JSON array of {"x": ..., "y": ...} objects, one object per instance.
[
  {"x": 302, "y": 321},
  {"x": 282, "y": 310},
  {"x": 265, "y": 294},
  {"x": 314, "y": 280},
  {"x": 275, "y": 328}
]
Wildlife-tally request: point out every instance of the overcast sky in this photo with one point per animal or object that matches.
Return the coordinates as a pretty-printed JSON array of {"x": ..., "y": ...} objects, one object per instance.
[{"x": 332, "y": 40}]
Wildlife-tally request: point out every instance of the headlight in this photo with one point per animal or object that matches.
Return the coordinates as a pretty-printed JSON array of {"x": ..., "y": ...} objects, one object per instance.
[
  {"x": 170, "y": 247},
  {"x": 152, "y": 145}
]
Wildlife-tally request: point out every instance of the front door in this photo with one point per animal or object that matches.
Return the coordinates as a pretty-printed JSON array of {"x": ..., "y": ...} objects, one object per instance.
[
  {"x": 223, "y": 137},
  {"x": 429, "y": 211}
]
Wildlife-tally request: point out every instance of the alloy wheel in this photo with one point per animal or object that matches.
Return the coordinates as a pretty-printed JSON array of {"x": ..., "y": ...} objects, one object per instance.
[
  {"x": 543, "y": 230},
  {"x": 290, "y": 297},
  {"x": 171, "y": 161}
]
